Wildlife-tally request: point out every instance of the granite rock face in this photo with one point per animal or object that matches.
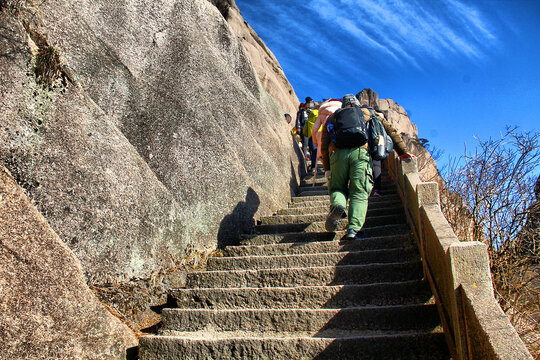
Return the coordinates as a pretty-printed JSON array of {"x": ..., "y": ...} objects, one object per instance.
[
  {"x": 46, "y": 309},
  {"x": 143, "y": 134},
  {"x": 266, "y": 65},
  {"x": 224, "y": 6}
]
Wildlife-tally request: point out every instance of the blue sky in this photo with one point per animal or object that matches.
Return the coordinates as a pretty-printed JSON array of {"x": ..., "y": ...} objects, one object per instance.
[{"x": 460, "y": 68}]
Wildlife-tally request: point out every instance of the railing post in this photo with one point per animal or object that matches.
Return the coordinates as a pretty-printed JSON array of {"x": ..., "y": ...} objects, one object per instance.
[
  {"x": 469, "y": 265},
  {"x": 426, "y": 194}
]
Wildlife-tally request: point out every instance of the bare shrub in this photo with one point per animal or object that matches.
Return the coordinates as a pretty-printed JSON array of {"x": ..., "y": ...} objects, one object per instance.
[
  {"x": 48, "y": 66},
  {"x": 427, "y": 156},
  {"x": 489, "y": 196}
]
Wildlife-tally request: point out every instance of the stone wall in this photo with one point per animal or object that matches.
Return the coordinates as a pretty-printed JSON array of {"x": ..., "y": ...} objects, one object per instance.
[{"x": 458, "y": 273}]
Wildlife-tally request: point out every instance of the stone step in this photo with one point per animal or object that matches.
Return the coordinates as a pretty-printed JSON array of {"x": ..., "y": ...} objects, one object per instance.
[
  {"x": 374, "y": 243},
  {"x": 419, "y": 346},
  {"x": 317, "y": 226},
  {"x": 316, "y": 203},
  {"x": 308, "y": 179},
  {"x": 390, "y": 186},
  {"x": 326, "y": 198},
  {"x": 313, "y": 260},
  {"x": 306, "y": 297},
  {"x": 318, "y": 182},
  {"x": 319, "y": 322},
  {"x": 298, "y": 199},
  {"x": 311, "y": 192},
  {"x": 210, "y": 333},
  {"x": 320, "y": 171},
  {"x": 310, "y": 187},
  {"x": 262, "y": 239},
  {"x": 321, "y": 216},
  {"x": 324, "y": 275},
  {"x": 318, "y": 234},
  {"x": 325, "y": 208}
]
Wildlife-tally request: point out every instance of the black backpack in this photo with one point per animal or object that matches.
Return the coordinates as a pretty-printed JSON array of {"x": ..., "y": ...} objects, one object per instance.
[
  {"x": 380, "y": 144},
  {"x": 349, "y": 128}
]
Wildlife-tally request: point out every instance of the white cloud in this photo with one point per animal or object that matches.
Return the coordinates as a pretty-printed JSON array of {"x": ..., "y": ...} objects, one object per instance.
[
  {"x": 302, "y": 49},
  {"x": 333, "y": 13},
  {"x": 407, "y": 31},
  {"x": 470, "y": 15},
  {"x": 335, "y": 41}
]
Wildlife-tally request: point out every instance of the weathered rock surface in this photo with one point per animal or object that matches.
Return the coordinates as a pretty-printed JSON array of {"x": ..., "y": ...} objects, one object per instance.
[
  {"x": 142, "y": 132},
  {"x": 265, "y": 63},
  {"x": 46, "y": 309}
]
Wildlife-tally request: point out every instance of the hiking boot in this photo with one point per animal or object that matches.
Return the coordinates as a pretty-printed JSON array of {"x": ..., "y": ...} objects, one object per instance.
[
  {"x": 352, "y": 234},
  {"x": 333, "y": 218}
]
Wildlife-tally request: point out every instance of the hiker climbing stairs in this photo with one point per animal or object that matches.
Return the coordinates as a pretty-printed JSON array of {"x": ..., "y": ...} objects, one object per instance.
[{"x": 291, "y": 290}]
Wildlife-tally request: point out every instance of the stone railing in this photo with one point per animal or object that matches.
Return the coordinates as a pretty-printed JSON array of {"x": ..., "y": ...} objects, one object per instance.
[{"x": 458, "y": 272}]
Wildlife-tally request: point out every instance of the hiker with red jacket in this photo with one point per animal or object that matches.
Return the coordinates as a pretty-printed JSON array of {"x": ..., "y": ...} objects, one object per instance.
[{"x": 347, "y": 164}]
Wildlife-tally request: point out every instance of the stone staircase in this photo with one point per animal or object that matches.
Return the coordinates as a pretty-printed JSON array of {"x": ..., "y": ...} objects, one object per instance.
[{"x": 291, "y": 290}]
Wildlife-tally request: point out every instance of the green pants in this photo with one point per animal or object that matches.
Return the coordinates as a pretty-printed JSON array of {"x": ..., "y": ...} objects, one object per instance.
[{"x": 351, "y": 178}]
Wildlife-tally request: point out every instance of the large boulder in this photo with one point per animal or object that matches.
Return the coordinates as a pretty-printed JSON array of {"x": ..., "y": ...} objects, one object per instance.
[
  {"x": 143, "y": 134},
  {"x": 47, "y": 310}
]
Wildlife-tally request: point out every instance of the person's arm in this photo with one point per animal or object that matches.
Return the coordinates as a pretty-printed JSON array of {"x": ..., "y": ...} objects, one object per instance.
[
  {"x": 366, "y": 113},
  {"x": 399, "y": 144}
]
